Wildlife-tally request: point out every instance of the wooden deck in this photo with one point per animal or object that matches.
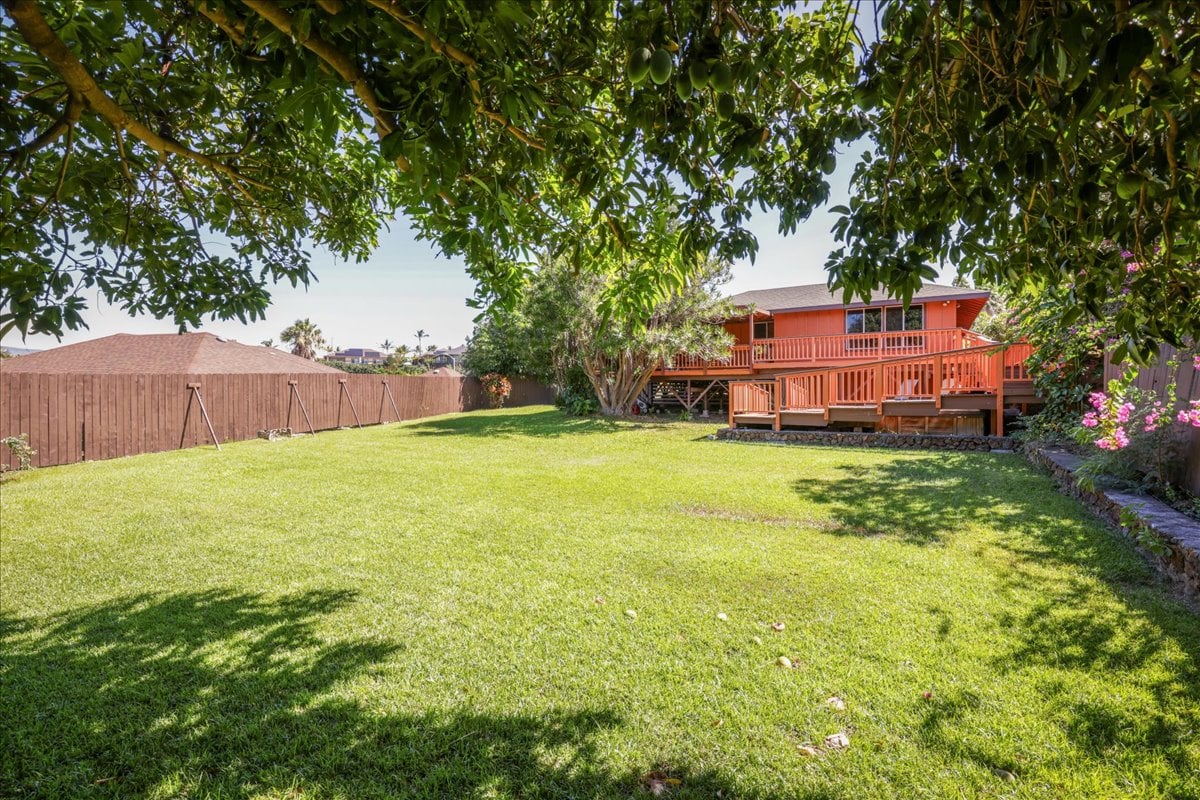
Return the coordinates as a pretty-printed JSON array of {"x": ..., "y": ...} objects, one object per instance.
[
  {"x": 773, "y": 355},
  {"x": 952, "y": 383}
]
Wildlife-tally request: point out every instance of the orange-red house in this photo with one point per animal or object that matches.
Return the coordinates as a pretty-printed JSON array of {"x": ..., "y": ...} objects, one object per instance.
[{"x": 803, "y": 358}]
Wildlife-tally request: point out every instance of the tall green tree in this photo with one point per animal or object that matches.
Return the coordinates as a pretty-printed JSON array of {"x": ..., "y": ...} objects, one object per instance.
[
  {"x": 573, "y": 323},
  {"x": 1049, "y": 147},
  {"x": 304, "y": 337},
  {"x": 135, "y": 133}
]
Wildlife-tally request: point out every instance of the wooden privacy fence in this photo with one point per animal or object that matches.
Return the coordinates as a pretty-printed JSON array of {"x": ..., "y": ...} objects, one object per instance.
[{"x": 77, "y": 417}]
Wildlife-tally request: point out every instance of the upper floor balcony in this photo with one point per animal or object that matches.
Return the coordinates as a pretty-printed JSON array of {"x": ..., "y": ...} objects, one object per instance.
[{"x": 802, "y": 351}]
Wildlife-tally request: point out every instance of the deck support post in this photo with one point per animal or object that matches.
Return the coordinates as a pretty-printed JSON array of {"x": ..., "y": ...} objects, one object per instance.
[
  {"x": 750, "y": 339},
  {"x": 778, "y": 403},
  {"x": 998, "y": 361},
  {"x": 937, "y": 382},
  {"x": 879, "y": 388},
  {"x": 828, "y": 393}
]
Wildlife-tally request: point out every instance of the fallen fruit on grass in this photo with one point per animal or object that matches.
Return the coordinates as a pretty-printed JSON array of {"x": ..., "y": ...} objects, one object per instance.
[
  {"x": 757, "y": 640},
  {"x": 808, "y": 750},
  {"x": 722, "y": 616},
  {"x": 777, "y": 626},
  {"x": 784, "y": 661},
  {"x": 1004, "y": 775},
  {"x": 599, "y": 600},
  {"x": 927, "y": 695},
  {"x": 836, "y": 703},
  {"x": 657, "y": 783},
  {"x": 837, "y": 741},
  {"x": 629, "y": 612}
]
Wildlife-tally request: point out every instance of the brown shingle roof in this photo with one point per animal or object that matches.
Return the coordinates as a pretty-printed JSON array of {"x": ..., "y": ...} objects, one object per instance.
[
  {"x": 186, "y": 353},
  {"x": 817, "y": 295}
]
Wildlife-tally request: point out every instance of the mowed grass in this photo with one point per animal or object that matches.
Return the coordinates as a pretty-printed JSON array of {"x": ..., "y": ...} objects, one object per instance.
[{"x": 438, "y": 609}]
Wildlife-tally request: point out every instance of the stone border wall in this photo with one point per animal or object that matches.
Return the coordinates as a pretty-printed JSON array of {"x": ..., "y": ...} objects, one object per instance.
[
  {"x": 900, "y": 441},
  {"x": 1179, "y": 532}
]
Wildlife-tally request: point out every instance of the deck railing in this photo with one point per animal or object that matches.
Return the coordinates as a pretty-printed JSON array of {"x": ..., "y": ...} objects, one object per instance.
[
  {"x": 753, "y": 396},
  {"x": 839, "y": 347},
  {"x": 739, "y": 356},
  {"x": 981, "y": 369}
]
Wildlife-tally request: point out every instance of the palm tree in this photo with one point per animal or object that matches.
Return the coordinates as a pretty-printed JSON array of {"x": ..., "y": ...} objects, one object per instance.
[
  {"x": 304, "y": 337},
  {"x": 268, "y": 342},
  {"x": 387, "y": 345},
  {"x": 421, "y": 336}
]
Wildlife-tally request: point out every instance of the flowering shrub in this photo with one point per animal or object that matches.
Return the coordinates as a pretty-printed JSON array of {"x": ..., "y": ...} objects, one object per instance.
[
  {"x": 498, "y": 388},
  {"x": 1137, "y": 432}
]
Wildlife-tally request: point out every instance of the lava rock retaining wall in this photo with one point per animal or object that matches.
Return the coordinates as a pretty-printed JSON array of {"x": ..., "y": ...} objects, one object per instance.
[
  {"x": 901, "y": 441},
  {"x": 1179, "y": 532}
]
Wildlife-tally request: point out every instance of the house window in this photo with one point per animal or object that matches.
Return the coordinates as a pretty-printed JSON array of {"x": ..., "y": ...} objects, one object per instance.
[
  {"x": 912, "y": 319},
  {"x": 764, "y": 329},
  {"x": 864, "y": 320}
]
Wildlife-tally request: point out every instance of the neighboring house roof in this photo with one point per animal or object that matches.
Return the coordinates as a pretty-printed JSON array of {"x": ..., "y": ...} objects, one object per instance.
[
  {"x": 818, "y": 296},
  {"x": 451, "y": 351},
  {"x": 180, "y": 353},
  {"x": 17, "y": 351}
]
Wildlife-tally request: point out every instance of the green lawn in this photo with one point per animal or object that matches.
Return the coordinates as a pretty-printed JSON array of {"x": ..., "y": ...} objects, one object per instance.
[{"x": 438, "y": 609}]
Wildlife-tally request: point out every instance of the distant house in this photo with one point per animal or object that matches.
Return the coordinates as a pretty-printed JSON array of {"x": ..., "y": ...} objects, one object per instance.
[
  {"x": 161, "y": 353},
  {"x": 449, "y": 356},
  {"x": 17, "y": 351},
  {"x": 359, "y": 355}
]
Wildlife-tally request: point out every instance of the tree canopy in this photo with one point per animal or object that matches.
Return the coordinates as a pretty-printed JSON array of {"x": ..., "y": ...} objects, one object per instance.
[
  {"x": 135, "y": 132},
  {"x": 1029, "y": 143},
  {"x": 1044, "y": 146}
]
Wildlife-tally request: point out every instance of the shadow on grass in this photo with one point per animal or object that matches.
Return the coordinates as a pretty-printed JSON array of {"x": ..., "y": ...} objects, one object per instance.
[
  {"x": 233, "y": 694},
  {"x": 539, "y": 424},
  {"x": 1076, "y": 600}
]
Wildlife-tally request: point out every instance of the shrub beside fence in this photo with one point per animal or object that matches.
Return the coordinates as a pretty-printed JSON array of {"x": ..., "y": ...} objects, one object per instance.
[
  {"x": 79, "y": 417},
  {"x": 1155, "y": 378}
]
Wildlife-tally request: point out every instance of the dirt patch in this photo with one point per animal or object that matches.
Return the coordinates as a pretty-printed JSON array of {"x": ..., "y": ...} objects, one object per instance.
[{"x": 810, "y": 523}]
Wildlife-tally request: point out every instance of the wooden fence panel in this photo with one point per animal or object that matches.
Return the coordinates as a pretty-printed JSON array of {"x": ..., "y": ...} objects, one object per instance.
[{"x": 76, "y": 417}]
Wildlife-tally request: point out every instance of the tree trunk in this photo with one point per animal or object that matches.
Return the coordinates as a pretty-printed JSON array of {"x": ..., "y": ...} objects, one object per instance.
[{"x": 617, "y": 389}]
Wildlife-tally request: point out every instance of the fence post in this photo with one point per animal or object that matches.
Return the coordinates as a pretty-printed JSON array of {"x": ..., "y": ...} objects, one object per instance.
[{"x": 194, "y": 392}]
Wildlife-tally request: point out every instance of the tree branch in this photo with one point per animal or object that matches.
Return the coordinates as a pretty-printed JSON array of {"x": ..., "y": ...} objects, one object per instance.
[
  {"x": 37, "y": 33},
  {"x": 339, "y": 62},
  {"x": 454, "y": 54},
  {"x": 69, "y": 117}
]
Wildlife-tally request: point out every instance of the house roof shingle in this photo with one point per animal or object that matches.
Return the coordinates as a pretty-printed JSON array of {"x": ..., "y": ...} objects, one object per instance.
[
  {"x": 159, "y": 353},
  {"x": 818, "y": 295}
]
